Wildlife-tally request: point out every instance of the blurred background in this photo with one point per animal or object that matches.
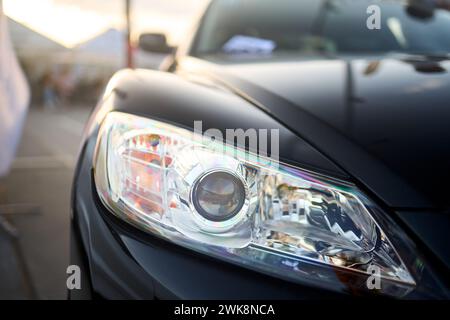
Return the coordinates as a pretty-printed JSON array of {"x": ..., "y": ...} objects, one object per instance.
[{"x": 68, "y": 49}]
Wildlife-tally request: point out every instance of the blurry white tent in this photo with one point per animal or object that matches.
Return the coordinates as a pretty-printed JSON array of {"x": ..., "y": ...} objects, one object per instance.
[{"x": 14, "y": 98}]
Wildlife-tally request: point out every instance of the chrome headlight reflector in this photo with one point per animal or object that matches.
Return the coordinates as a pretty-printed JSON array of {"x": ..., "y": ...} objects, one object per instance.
[{"x": 228, "y": 203}]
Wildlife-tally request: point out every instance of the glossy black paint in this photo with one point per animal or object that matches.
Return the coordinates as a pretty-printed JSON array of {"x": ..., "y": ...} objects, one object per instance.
[
  {"x": 382, "y": 123},
  {"x": 181, "y": 101},
  {"x": 374, "y": 117},
  {"x": 125, "y": 263},
  {"x": 396, "y": 110}
]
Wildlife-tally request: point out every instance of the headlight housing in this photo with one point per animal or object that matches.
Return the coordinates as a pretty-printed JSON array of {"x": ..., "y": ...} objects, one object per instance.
[{"x": 231, "y": 204}]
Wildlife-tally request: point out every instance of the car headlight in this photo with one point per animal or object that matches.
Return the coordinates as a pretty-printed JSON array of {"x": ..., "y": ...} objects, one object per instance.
[{"x": 277, "y": 219}]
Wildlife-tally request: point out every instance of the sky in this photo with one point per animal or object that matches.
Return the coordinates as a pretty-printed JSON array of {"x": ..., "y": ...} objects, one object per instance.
[{"x": 70, "y": 22}]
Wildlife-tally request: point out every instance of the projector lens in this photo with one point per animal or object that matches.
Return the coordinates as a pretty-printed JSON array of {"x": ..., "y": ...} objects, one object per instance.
[{"x": 218, "y": 196}]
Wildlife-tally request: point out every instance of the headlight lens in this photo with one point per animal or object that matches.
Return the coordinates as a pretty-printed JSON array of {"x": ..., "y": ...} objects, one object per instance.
[
  {"x": 218, "y": 195},
  {"x": 275, "y": 218}
]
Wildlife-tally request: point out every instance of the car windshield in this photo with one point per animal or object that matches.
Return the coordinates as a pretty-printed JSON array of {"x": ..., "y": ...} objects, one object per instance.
[{"x": 266, "y": 27}]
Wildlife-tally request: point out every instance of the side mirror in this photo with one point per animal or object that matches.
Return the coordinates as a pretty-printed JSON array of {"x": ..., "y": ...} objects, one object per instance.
[{"x": 155, "y": 43}]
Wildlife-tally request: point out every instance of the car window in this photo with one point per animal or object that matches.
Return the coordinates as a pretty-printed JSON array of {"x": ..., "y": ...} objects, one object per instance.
[{"x": 327, "y": 26}]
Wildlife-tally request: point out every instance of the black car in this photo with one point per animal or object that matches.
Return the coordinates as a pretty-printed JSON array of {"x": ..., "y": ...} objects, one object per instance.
[{"x": 291, "y": 149}]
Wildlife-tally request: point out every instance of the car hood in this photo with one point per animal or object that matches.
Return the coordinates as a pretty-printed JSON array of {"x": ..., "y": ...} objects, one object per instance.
[{"x": 395, "y": 109}]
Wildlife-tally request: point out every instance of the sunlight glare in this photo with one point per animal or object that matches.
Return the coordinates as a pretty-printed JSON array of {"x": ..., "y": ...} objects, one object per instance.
[{"x": 66, "y": 24}]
